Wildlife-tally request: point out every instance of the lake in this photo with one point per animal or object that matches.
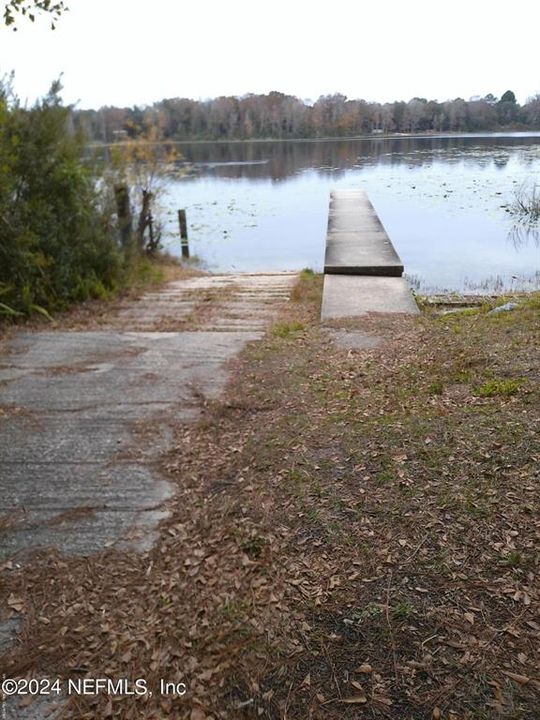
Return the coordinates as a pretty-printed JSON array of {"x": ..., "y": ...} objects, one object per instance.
[{"x": 443, "y": 201}]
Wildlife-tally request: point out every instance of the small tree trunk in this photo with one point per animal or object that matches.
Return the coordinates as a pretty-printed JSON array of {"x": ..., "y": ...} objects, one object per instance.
[{"x": 144, "y": 217}]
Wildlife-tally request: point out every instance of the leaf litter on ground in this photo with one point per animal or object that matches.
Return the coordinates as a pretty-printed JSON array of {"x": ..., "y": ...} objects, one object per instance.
[{"x": 354, "y": 534}]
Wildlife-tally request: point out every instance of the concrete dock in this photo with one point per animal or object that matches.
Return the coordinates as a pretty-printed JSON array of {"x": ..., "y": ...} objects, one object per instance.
[
  {"x": 362, "y": 268},
  {"x": 356, "y": 241}
]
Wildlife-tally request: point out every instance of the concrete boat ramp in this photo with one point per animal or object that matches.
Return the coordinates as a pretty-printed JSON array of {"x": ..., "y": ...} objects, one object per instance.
[
  {"x": 86, "y": 415},
  {"x": 363, "y": 272}
]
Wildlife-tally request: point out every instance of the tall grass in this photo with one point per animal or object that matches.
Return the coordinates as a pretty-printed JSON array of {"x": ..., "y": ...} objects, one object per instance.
[{"x": 526, "y": 204}]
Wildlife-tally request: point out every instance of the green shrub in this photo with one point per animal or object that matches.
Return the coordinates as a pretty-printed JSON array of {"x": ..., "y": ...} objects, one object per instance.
[{"x": 57, "y": 242}]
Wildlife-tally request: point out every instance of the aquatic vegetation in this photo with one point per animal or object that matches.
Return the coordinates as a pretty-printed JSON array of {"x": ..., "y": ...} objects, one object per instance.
[{"x": 527, "y": 203}]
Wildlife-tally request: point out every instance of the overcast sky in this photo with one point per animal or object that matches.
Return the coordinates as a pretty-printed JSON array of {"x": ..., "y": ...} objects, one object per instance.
[{"x": 126, "y": 52}]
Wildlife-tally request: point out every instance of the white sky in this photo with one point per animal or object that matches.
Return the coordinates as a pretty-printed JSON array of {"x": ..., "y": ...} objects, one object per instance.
[{"x": 126, "y": 52}]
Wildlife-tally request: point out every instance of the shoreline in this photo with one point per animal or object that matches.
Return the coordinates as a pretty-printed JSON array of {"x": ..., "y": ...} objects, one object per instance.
[{"x": 376, "y": 136}]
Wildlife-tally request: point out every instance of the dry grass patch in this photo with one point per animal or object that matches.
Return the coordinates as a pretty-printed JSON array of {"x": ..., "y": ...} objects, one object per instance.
[{"x": 97, "y": 313}]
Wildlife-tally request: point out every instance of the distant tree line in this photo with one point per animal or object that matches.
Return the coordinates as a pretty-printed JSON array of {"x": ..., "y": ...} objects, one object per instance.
[{"x": 281, "y": 116}]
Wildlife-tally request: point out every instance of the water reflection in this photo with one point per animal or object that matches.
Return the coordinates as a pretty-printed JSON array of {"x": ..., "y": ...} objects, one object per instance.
[
  {"x": 278, "y": 160},
  {"x": 522, "y": 235}
]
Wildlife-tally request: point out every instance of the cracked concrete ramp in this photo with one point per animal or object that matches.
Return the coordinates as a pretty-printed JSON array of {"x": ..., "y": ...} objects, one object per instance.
[{"x": 86, "y": 415}]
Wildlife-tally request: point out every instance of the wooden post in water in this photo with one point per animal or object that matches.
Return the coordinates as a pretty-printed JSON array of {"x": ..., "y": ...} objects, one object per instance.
[
  {"x": 182, "y": 221},
  {"x": 123, "y": 210}
]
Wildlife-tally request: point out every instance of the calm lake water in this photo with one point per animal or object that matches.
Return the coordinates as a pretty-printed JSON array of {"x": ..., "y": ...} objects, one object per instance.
[{"x": 443, "y": 202}]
